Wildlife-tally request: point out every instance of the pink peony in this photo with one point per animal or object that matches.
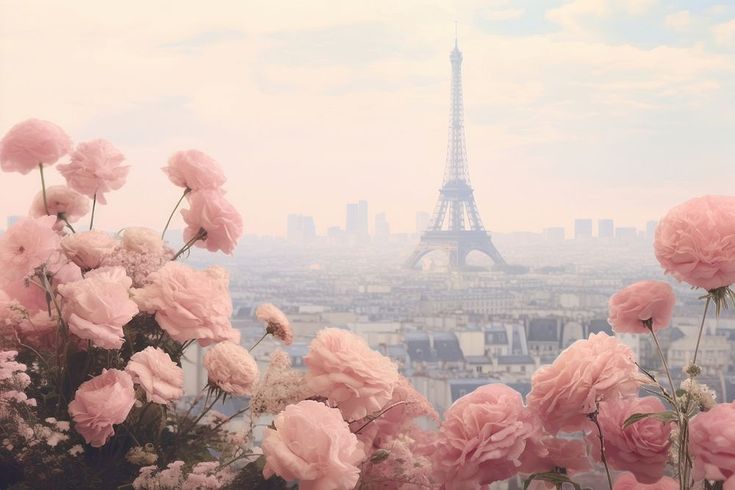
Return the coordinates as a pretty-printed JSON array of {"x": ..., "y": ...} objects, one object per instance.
[
  {"x": 639, "y": 302},
  {"x": 342, "y": 368},
  {"x": 483, "y": 437},
  {"x": 160, "y": 377},
  {"x": 95, "y": 169},
  {"x": 277, "y": 323},
  {"x": 641, "y": 448},
  {"x": 231, "y": 367},
  {"x": 100, "y": 403},
  {"x": 211, "y": 212},
  {"x": 695, "y": 242},
  {"x": 97, "y": 307},
  {"x": 712, "y": 443},
  {"x": 143, "y": 240},
  {"x": 564, "y": 393},
  {"x": 312, "y": 444},
  {"x": 189, "y": 303},
  {"x": 627, "y": 481},
  {"x": 32, "y": 142},
  {"x": 89, "y": 248},
  {"x": 62, "y": 202},
  {"x": 26, "y": 245},
  {"x": 194, "y": 170}
]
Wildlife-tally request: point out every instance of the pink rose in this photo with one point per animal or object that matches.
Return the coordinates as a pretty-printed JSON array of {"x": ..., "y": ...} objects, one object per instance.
[
  {"x": 641, "y": 448},
  {"x": 189, "y": 303},
  {"x": 483, "y": 437},
  {"x": 32, "y": 142},
  {"x": 342, "y": 368},
  {"x": 231, "y": 367},
  {"x": 97, "y": 307},
  {"x": 695, "y": 242},
  {"x": 211, "y": 212},
  {"x": 100, "y": 403},
  {"x": 62, "y": 202},
  {"x": 95, "y": 169},
  {"x": 143, "y": 240},
  {"x": 26, "y": 245},
  {"x": 276, "y": 322},
  {"x": 712, "y": 443},
  {"x": 160, "y": 377},
  {"x": 89, "y": 248},
  {"x": 639, "y": 302},
  {"x": 627, "y": 481},
  {"x": 312, "y": 444},
  {"x": 548, "y": 452},
  {"x": 564, "y": 393},
  {"x": 195, "y": 170}
]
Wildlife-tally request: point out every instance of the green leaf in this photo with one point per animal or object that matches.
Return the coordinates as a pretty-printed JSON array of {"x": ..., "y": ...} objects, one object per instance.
[
  {"x": 551, "y": 477},
  {"x": 666, "y": 416}
]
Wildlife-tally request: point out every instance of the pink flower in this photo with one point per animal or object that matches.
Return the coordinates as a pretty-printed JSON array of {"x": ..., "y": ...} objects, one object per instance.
[
  {"x": 342, "y": 368},
  {"x": 97, "y": 307},
  {"x": 88, "y": 249},
  {"x": 231, "y": 367},
  {"x": 195, "y": 170},
  {"x": 63, "y": 203},
  {"x": 160, "y": 377},
  {"x": 281, "y": 386},
  {"x": 548, "y": 452},
  {"x": 627, "y": 481},
  {"x": 483, "y": 437},
  {"x": 641, "y": 448},
  {"x": 695, "y": 242},
  {"x": 189, "y": 303},
  {"x": 587, "y": 372},
  {"x": 39, "y": 330},
  {"x": 639, "y": 302},
  {"x": 32, "y": 142},
  {"x": 143, "y": 240},
  {"x": 95, "y": 169},
  {"x": 312, "y": 444},
  {"x": 100, "y": 403},
  {"x": 277, "y": 323},
  {"x": 712, "y": 443},
  {"x": 26, "y": 245},
  {"x": 211, "y": 212}
]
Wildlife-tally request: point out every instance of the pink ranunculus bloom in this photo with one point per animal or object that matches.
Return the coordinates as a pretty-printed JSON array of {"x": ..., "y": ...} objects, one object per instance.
[
  {"x": 160, "y": 377},
  {"x": 641, "y": 448},
  {"x": 97, "y": 307},
  {"x": 345, "y": 370},
  {"x": 639, "y": 302},
  {"x": 95, "y": 169},
  {"x": 695, "y": 242},
  {"x": 276, "y": 322},
  {"x": 89, "y": 248},
  {"x": 189, "y": 303},
  {"x": 627, "y": 481},
  {"x": 194, "y": 170},
  {"x": 483, "y": 437},
  {"x": 313, "y": 445},
  {"x": 548, "y": 452},
  {"x": 39, "y": 330},
  {"x": 231, "y": 367},
  {"x": 100, "y": 403},
  {"x": 63, "y": 203},
  {"x": 32, "y": 142},
  {"x": 143, "y": 240},
  {"x": 589, "y": 371},
  {"x": 26, "y": 245},
  {"x": 712, "y": 443},
  {"x": 211, "y": 212}
]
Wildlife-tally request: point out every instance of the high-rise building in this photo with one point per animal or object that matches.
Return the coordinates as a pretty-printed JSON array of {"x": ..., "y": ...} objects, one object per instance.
[
  {"x": 300, "y": 228},
  {"x": 382, "y": 227},
  {"x": 582, "y": 228},
  {"x": 356, "y": 222},
  {"x": 422, "y": 221},
  {"x": 605, "y": 228},
  {"x": 555, "y": 233}
]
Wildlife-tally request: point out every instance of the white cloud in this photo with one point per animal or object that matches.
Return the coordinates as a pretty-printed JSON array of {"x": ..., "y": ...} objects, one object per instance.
[
  {"x": 678, "y": 21},
  {"x": 724, "y": 33}
]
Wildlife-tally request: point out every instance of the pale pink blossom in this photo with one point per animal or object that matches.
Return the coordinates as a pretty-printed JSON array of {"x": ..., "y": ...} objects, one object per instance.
[
  {"x": 397, "y": 465},
  {"x": 231, "y": 367},
  {"x": 313, "y": 445},
  {"x": 482, "y": 438},
  {"x": 345, "y": 370},
  {"x": 97, "y": 307},
  {"x": 211, "y": 212},
  {"x": 39, "y": 330},
  {"x": 26, "y": 245},
  {"x": 280, "y": 387},
  {"x": 548, "y": 452},
  {"x": 194, "y": 170},
  {"x": 589, "y": 371},
  {"x": 627, "y": 481},
  {"x": 95, "y": 169},
  {"x": 160, "y": 377},
  {"x": 32, "y": 142},
  {"x": 62, "y": 202},
  {"x": 712, "y": 443},
  {"x": 88, "y": 249},
  {"x": 643, "y": 301},
  {"x": 695, "y": 242},
  {"x": 143, "y": 240},
  {"x": 277, "y": 323},
  {"x": 100, "y": 403},
  {"x": 189, "y": 303},
  {"x": 137, "y": 265},
  {"x": 29, "y": 295}
]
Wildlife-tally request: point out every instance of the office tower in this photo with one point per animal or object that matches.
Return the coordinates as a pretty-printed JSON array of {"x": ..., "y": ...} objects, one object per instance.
[
  {"x": 356, "y": 222},
  {"x": 605, "y": 228}
]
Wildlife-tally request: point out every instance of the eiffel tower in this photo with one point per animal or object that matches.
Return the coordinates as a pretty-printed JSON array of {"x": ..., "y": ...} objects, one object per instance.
[{"x": 456, "y": 227}]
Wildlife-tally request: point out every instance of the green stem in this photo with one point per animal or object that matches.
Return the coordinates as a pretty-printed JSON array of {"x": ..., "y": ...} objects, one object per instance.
[
  {"x": 666, "y": 366},
  {"x": 94, "y": 205},
  {"x": 201, "y": 234},
  {"x": 701, "y": 328},
  {"x": 170, "y": 217},
  {"x": 603, "y": 457},
  {"x": 63, "y": 218},
  {"x": 43, "y": 188}
]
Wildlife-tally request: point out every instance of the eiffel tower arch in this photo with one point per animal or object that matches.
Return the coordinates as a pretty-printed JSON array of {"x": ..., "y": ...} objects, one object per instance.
[{"x": 455, "y": 226}]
